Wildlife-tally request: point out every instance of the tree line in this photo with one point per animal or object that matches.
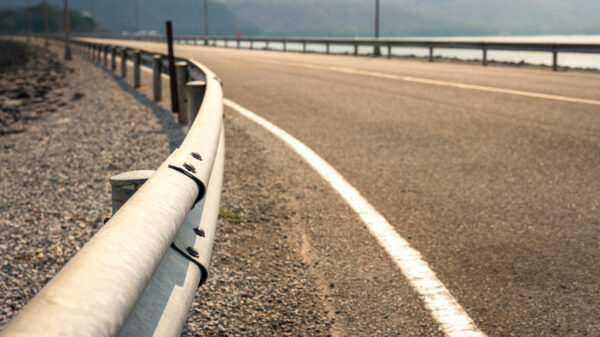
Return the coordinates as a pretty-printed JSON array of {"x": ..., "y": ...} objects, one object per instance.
[{"x": 17, "y": 21}]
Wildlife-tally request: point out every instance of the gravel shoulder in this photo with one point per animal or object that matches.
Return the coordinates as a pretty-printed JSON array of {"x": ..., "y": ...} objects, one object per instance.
[{"x": 54, "y": 190}]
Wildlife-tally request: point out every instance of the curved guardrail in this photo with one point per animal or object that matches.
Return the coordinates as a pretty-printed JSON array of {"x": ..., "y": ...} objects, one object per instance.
[
  {"x": 138, "y": 275},
  {"x": 388, "y": 43}
]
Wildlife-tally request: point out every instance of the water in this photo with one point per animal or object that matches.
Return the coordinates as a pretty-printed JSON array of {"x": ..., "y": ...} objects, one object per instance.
[{"x": 573, "y": 60}]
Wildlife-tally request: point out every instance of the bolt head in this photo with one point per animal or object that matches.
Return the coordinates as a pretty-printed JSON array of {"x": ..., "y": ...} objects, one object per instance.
[
  {"x": 189, "y": 167},
  {"x": 192, "y": 251},
  {"x": 199, "y": 232}
]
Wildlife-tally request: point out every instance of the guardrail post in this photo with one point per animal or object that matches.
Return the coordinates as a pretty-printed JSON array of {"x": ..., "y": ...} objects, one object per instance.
[
  {"x": 206, "y": 42},
  {"x": 326, "y": 47},
  {"x": 251, "y": 44},
  {"x": 182, "y": 78},
  {"x": 99, "y": 53},
  {"x": 284, "y": 45},
  {"x": 113, "y": 58},
  {"x": 484, "y": 57},
  {"x": 430, "y": 54},
  {"x": 123, "y": 62},
  {"x": 124, "y": 185},
  {"x": 356, "y": 49},
  {"x": 389, "y": 53},
  {"x": 156, "y": 77},
  {"x": 238, "y": 42},
  {"x": 554, "y": 59},
  {"x": 137, "y": 60},
  {"x": 194, "y": 93},
  {"x": 267, "y": 45},
  {"x": 105, "y": 56}
]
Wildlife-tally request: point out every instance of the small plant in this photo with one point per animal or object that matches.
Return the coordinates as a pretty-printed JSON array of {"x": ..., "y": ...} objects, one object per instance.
[{"x": 230, "y": 215}]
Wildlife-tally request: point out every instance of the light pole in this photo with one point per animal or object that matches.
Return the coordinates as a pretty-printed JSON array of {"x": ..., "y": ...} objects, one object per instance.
[
  {"x": 137, "y": 22},
  {"x": 67, "y": 32},
  {"x": 376, "y": 50},
  {"x": 46, "y": 23},
  {"x": 28, "y": 15},
  {"x": 205, "y": 18}
]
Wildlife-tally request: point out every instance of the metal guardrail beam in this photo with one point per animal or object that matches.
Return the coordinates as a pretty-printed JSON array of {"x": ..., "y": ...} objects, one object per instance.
[
  {"x": 138, "y": 275},
  {"x": 389, "y": 43}
]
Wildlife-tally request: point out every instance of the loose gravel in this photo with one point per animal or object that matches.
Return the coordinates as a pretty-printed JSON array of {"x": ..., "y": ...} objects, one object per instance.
[
  {"x": 54, "y": 185},
  {"x": 55, "y": 195}
]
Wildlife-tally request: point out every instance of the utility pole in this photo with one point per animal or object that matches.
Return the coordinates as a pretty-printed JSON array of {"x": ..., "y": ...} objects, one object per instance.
[
  {"x": 135, "y": 9},
  {"x": 376, "y": 50},
  {"x": 67, "y": 32},
  {"x": 28, "y": 14},
  {"x": 205, "y": 18},
  {"x": 46, "y": 23}
]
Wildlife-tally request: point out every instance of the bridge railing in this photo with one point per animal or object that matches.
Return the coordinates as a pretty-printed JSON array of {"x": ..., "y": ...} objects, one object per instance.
[
  {"x": 386, "y": 43},
  {"x": 138, "y": 275}
]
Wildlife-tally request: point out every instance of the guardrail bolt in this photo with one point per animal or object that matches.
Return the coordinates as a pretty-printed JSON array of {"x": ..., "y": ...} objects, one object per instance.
[
  {"x": 196, "y": 155},
  {"x": 189, "y": 167},
  {"x": 199, "y": 232},
  {"x": 192, "y": 251}
]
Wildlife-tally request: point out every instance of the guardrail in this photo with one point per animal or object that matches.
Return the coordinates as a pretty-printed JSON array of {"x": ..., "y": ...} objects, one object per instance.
[
  {"x": 388, "y": 43},
  {"x": 138, "y": 275}
]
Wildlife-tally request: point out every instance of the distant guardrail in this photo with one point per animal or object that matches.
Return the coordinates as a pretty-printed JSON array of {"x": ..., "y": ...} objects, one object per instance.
[
  {"x": 138, "y": 275},
  {"x": 385, "y": 43}
]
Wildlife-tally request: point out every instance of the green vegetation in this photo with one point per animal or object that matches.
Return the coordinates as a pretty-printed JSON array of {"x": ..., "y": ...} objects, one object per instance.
[
  {"x": 15, "y": 20},
  {"x": 230, "y": 215}
]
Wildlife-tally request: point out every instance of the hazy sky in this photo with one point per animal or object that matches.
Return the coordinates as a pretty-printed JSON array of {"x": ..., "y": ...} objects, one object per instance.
[{"x": 351, "y": 17}]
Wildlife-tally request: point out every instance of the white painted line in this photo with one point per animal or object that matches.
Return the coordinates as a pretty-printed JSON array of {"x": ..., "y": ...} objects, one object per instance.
[
  {"x": 444, "y": 308},
  {"x": 433, "y": 82}
]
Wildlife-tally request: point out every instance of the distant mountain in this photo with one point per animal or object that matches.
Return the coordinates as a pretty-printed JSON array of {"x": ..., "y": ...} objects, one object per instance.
[{"x": 348, "y": 17}]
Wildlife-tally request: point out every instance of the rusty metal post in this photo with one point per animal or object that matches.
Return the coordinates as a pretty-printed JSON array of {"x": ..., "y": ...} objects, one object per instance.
[{"x": 172, "y": 73}]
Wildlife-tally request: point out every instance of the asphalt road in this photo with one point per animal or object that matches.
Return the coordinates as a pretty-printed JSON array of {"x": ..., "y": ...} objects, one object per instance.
[{"x": 498, "y": 191}]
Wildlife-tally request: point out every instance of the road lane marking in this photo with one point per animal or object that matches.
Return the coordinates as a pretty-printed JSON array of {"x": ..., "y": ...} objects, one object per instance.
[
  {"x": 444, "y": 308},
  {"x": 352, "y": 71}
]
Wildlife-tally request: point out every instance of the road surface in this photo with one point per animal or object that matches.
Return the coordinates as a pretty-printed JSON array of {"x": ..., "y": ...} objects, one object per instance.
[{"x": 491, "y": 173}]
